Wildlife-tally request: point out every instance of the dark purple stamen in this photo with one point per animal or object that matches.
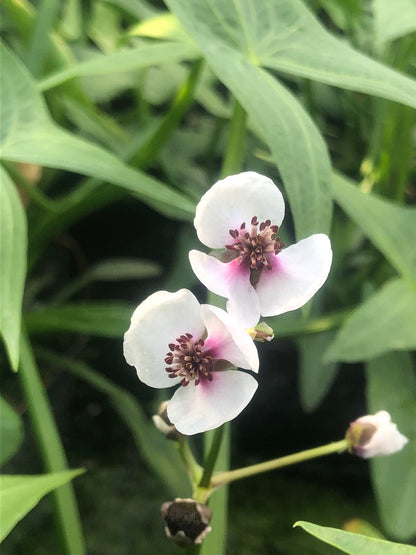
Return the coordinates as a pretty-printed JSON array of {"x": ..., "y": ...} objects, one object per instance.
[
  {"x": 187, "y": 360},
  {"x": 255, "y": 247}
]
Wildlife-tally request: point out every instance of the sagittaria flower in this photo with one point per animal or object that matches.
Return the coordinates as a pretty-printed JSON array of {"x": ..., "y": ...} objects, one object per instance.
[
  {"x": 172, "y": 339},
  {"x": 375, "y": 434},
  {"x": 241, "y": 215}
]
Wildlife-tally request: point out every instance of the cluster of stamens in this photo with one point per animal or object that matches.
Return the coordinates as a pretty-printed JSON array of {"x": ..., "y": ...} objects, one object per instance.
[
  {"x": 254, "y": 246},
  {"x": 186, "y": 359}
]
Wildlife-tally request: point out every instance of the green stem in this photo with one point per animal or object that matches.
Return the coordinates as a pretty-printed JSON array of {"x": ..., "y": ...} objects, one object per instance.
[
  {"x": 52, "y": 452},
  {"x": 212, "y": 457},
  {"x": 227, "y": 477},
  {"x": 234, "y": 156},
  {"x": 193, "y": 468},
  {"x": 170, "y": 122}
]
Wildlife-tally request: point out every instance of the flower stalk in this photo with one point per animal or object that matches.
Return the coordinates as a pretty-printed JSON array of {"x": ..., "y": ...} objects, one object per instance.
[{"x": 226, "y": 477}]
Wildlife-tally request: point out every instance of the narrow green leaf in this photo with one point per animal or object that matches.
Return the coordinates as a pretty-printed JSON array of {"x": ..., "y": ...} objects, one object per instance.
[
  {"x": 355, "y": 544},
  {"x": 126, "y": 60},
  {"x": 13, "y": 252},
  {"x": 29, "y": 135},
  {"x": 11, "y": 431},
  {"x": 39, "y": 41},
  {"x": 20, "y": 494},
  {"x": 315, "y": 377},
  {"x": 384, "y": 322},
  {"x": 391, "y": 386},
  {"x": 390, "y": 227},
  {"x": 393, "y": 19},
  {"x": 229, "y": 37},
  {"x": 160, "y": 453},
  {"x": 50, "y": 446},
  {"x": 102, "y": 319},
  {"x": 112, "y": 269}
]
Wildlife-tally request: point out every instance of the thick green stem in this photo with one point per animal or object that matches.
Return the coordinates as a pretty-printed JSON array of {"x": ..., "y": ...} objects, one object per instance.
[
  {"x": 180, "y": 106},
  {"x": 227, "y": 477},
  {"x": 212, "y": 457},
  {"x": 234, "y": 156},
  {"x": 53, "y": 455}
]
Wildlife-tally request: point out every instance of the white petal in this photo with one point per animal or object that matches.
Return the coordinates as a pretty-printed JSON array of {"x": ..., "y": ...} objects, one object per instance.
[
  {"x": 228, "y": 340},
  {"x": 234, "y": 200},
  {"x": 230, "y": 280},
  {"x": 386, "y": 440},
  {"x": 298, "y": 272},
  {"x": 155, "y": 323},
  {"x": 194, "y": 409}
]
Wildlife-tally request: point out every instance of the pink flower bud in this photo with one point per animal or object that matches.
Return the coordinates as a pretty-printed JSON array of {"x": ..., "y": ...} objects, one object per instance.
[{"x": 373, "y": 435}]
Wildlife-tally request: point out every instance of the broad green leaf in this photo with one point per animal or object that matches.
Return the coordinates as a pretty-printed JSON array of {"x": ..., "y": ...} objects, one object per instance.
[
  {"x": 161, "y": 454},
  {"x": 11, "y": 431},
  {"x": 19, "y": 494},
  {"x": 315, "y": 377},
  {"x": 390, "y": 227},
  {"x": 29, "y": 135},
  {"x": 163, "y": 26},
  {"x": 112, "y": 269},
  {"x": 391, "y": 386},
  {"x": 102, "y": 319},
  {"x": 393, "y": 19},
  {"x": 13, "y": 252},
  {"x": 126, "y": 60},
  {"x": 229, "y": 37},
  {"x": 385, "y": 321},
  {"x": 355, "y": 544}
]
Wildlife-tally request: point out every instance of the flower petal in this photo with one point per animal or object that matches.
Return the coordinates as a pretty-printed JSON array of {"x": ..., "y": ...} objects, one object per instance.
[
  {"x": 230, "y": 280},
  {"x": 155, "y": 323},
  {"x": 234, "y": 200},
  {"x": 194, "y": 409},
  {"x": 298, "y": 272},
  {"x": 227, "y": 340}
]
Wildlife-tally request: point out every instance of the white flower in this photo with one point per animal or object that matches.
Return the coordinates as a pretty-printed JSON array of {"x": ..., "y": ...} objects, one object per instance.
[
  {"x": 375, "y": 434},
  {"x": 173, "y": 340},
  {"x": 241, "y": 215}
]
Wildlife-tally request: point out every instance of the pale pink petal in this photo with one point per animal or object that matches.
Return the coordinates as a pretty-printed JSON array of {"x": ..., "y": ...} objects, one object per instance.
[
  {"x": 298, "y": 272},
  {"x": 386, "y": 439},
  {"x": 230, "y": 280},
  {"x": 155, "y": 323},
  {"x": 227, "y": 340},
  {"x": 233, "y": 201},
  {"x": 194, "y": 409}
]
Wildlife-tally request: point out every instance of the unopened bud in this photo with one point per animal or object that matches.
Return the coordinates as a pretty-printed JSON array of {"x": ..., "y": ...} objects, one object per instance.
[
  {"x": 187, "y": 522},
  {"x": 262, "y": 332},
  {"x": 373, "y": 435},
  {"x": 164, "y": 425}
]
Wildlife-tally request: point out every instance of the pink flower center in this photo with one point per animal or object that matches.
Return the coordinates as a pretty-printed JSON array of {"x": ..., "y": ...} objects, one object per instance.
[
  {"x": 256, "y": 246},
  {"x": 186, "y": 359}
]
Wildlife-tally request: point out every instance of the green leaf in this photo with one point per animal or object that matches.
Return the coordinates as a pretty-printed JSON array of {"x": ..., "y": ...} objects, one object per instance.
[
  {"x": 126, "y": 60},
  {"x": 391, "y": 386},
  {"x": 13, "y": 252},
  {"x": 355, "y": 544},
  {"x": 229, "y": 36},
  {"x": 390, "y": 227},
  {"x": 11, "y": 431},
  {"x": 19, "y": 494},
  {"x": 112, "y": 269},
  {"x": 316, "y": 377},
  {"x": 29, "y": 135},
  {"x": 102, "y": 319},
  {"x": 393, "y": 19},
  {"x": 160, "y": 453},
  {"x": 386, "y": 321}
]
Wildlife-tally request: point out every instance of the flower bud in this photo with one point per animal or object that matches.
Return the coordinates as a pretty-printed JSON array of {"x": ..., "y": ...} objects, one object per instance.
[
  {"x": 187, "y": 522},
  {"x": 164, "y": 425},
  {"x": 373, "y": 435},
  {"x": 262, "y": 332}
]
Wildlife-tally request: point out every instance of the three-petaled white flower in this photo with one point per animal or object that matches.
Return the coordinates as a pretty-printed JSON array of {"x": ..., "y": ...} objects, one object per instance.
[
  {"x": 375, "y": 434},
  {"x": 172, "y": 339},
  {"x": 241, "y": 215}
]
